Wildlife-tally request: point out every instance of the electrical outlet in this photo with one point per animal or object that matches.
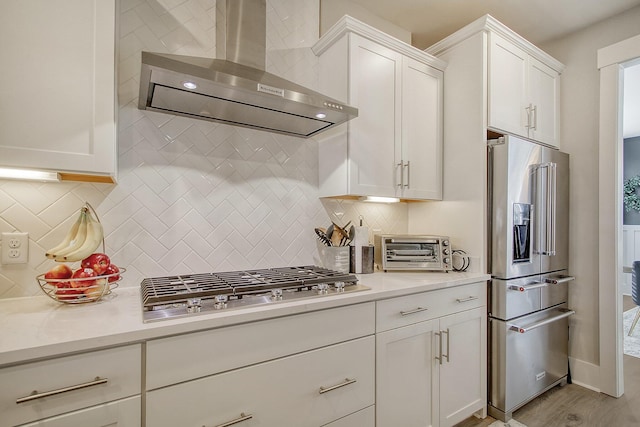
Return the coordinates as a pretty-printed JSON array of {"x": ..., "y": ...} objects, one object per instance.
[{"x": 15, "y": 248}]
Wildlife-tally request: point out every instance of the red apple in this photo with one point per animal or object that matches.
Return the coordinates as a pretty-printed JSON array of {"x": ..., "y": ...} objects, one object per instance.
[
  {"x": 60, "y": 271},
  {"x": 98, "y": 262},
  {"x": 83, "y": 273},
  {"x": 96, "y": 290},
  {"x": 64, "y": 291},
  {"x": 112, "y": 269}
]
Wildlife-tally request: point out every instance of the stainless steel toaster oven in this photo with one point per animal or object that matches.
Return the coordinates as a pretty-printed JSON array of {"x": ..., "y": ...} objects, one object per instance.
[{"x": 412, "y": 252}]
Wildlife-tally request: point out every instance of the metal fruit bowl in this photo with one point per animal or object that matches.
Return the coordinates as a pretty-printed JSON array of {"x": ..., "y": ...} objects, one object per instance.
[{"x": 81, "y": 290}]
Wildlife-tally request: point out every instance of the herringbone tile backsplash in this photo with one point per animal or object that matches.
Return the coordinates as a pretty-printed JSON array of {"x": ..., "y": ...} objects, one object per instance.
[{"x": 193, "y": 196}]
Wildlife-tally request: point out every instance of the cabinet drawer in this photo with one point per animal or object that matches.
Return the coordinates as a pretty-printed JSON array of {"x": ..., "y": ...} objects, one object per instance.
[
  {"x": 121, "y": 413},
  {"x": 223, "y": 349},
  {"x": 308, "y": 389},
  {"x": 401, "y": 311},
  {"x": 74, "y": 377},
  {"x": 363, "y": 418}
]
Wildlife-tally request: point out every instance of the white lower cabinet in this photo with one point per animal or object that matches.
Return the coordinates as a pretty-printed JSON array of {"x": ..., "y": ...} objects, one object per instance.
[
  {"x": 122, "y": 413},
  {"x": 431, "y": 372},
  {"x": 87, "y": 381},
  {"x": 311, "y": 389},
  {"x": 407, "y": 376}
]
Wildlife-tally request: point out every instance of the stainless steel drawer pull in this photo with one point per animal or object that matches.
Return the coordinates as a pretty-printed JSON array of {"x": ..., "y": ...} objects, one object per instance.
[
  {"x": 467, "y": 299},
  {"x": 35, "y": 395},
  {"x": 347, "y": 381},
  {"x": 242, "y": 418},
  {"x": 530, "y": 287},
  {"x": 558, "y": 280},
  {"x": 525, "y": 329},
  {"x": 414, "y": 311}
]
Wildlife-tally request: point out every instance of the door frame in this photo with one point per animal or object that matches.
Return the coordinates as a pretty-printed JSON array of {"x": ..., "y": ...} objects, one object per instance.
[{"x": 611, "y": 63}]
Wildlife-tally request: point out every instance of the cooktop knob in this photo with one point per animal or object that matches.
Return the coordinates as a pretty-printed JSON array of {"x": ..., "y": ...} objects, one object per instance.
[
  {"x": 194, "y": 305},
  {"x": 276, "y": 294},
  {"x": 323, "y": 288},
  {"x": 220, "y": 302},
  {"x": 339, "y": 286}
]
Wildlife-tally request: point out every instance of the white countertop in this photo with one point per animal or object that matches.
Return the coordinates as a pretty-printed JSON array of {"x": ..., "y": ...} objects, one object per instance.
[{"x": 39, "y": 327}]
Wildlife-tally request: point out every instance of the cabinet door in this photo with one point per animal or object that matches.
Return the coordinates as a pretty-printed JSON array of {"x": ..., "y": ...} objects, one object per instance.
[
  {"x": 508, "y": 102},
  {"x": 421, "y": 131},
  {"x": 407, "y": 376},
  {"x": 463, "y": 388},
  {"x": 122, "y": 413},
  {"x": 375, "y": 73},
  {"x": 57, "y": 98},
  {"x": 543, "y": 94}
]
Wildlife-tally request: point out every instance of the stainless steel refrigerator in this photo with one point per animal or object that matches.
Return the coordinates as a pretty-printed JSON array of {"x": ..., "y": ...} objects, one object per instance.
[{"x": 529, "y": 251}]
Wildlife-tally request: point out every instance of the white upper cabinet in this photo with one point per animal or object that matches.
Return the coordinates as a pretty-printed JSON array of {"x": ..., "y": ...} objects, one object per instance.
[
  {"x": 57, "y": 97},
  {"x": 522, "y": 81},
  {"x": 523, "y": 93},
  {"x": 394, "y": 147}
]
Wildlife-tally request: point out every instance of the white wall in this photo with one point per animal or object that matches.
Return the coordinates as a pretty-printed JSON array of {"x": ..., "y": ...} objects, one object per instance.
[
  {"x": 631, "y": 114},
  {"x": 579, "y": 137},
  {"x": 192, "y": 195},
  {"x": 332, "y": 10}
]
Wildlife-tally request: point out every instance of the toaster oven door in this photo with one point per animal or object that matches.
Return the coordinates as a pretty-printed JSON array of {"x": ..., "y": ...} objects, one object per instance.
[{"x": 413, "y": 256}]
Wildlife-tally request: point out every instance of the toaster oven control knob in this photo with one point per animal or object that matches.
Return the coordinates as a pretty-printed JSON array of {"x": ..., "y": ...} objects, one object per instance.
[
  {"x": 220, "y": 302},
  {"x": 194, "y": 305},
  {"x": 339, "y": 286},
  {"x": 276, "y": 294},
  {"x": 445, "y": 243},
  {"x": 323, "y": 288},
  {"x": 445, "y": 251},
  {"x": 446, "y": 260}
]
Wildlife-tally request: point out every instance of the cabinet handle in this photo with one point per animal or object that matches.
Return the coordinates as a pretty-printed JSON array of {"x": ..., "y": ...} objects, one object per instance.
[
  {"x": 401, "y": 166},
  {"x": 534, "y": 114},
  {"x": 35, "y": 395},
  {"x": 528, "y": 110},
  {"x": 242, "y": 418},
  {"x": 448, "y": 339},
  {"x": 439, "y": 356},
  {"x": 346, "y": 381},
  {"x": 414, "y": 311},
  {"x": 467, "y": 299},
  {"x": 408, "y": 165}
]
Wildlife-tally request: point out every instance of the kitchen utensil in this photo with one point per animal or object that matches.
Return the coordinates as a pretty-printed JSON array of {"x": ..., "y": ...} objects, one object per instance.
[{"x": 322, "y": 236}]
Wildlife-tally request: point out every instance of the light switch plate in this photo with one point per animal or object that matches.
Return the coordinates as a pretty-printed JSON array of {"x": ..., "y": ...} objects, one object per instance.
[{"x": 15, "y": 248}]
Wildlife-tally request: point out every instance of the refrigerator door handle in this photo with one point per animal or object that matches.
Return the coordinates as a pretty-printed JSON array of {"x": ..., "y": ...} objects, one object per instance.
[
  {"x": 525, "y": 329},
  {"x": 558, "y": 280},
  {"x": 530, "y": 287},
  {"x": 546, "y": 184}
]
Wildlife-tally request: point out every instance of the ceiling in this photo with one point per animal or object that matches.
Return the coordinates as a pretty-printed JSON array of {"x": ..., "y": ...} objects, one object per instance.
[{"x": 536, "y": 20}]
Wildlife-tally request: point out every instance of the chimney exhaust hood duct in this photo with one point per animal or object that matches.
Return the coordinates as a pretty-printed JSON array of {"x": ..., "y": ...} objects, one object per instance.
[{"x": 234, "y": 88}]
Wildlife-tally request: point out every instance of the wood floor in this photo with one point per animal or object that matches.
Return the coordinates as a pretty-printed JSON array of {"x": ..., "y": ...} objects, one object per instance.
[{"x": 575, "y": 406}]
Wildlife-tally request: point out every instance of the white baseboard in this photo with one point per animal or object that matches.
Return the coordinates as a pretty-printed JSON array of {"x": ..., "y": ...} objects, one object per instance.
[{"x": 585, "y": 374}]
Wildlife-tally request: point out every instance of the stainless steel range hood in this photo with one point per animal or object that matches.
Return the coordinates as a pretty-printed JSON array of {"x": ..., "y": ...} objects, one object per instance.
[{"x": 234, "y": 88}]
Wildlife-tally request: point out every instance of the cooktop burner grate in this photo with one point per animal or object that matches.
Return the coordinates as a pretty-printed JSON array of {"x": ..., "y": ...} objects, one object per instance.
[{"x": 177, "y": 292}]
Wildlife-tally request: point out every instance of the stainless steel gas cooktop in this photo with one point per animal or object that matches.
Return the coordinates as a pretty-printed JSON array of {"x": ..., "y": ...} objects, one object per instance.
[{"x": 184, "y": 295}]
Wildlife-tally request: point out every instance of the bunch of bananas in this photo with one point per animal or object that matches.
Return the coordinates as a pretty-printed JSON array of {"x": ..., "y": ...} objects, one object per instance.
[{"x": 83, "y": 239}]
